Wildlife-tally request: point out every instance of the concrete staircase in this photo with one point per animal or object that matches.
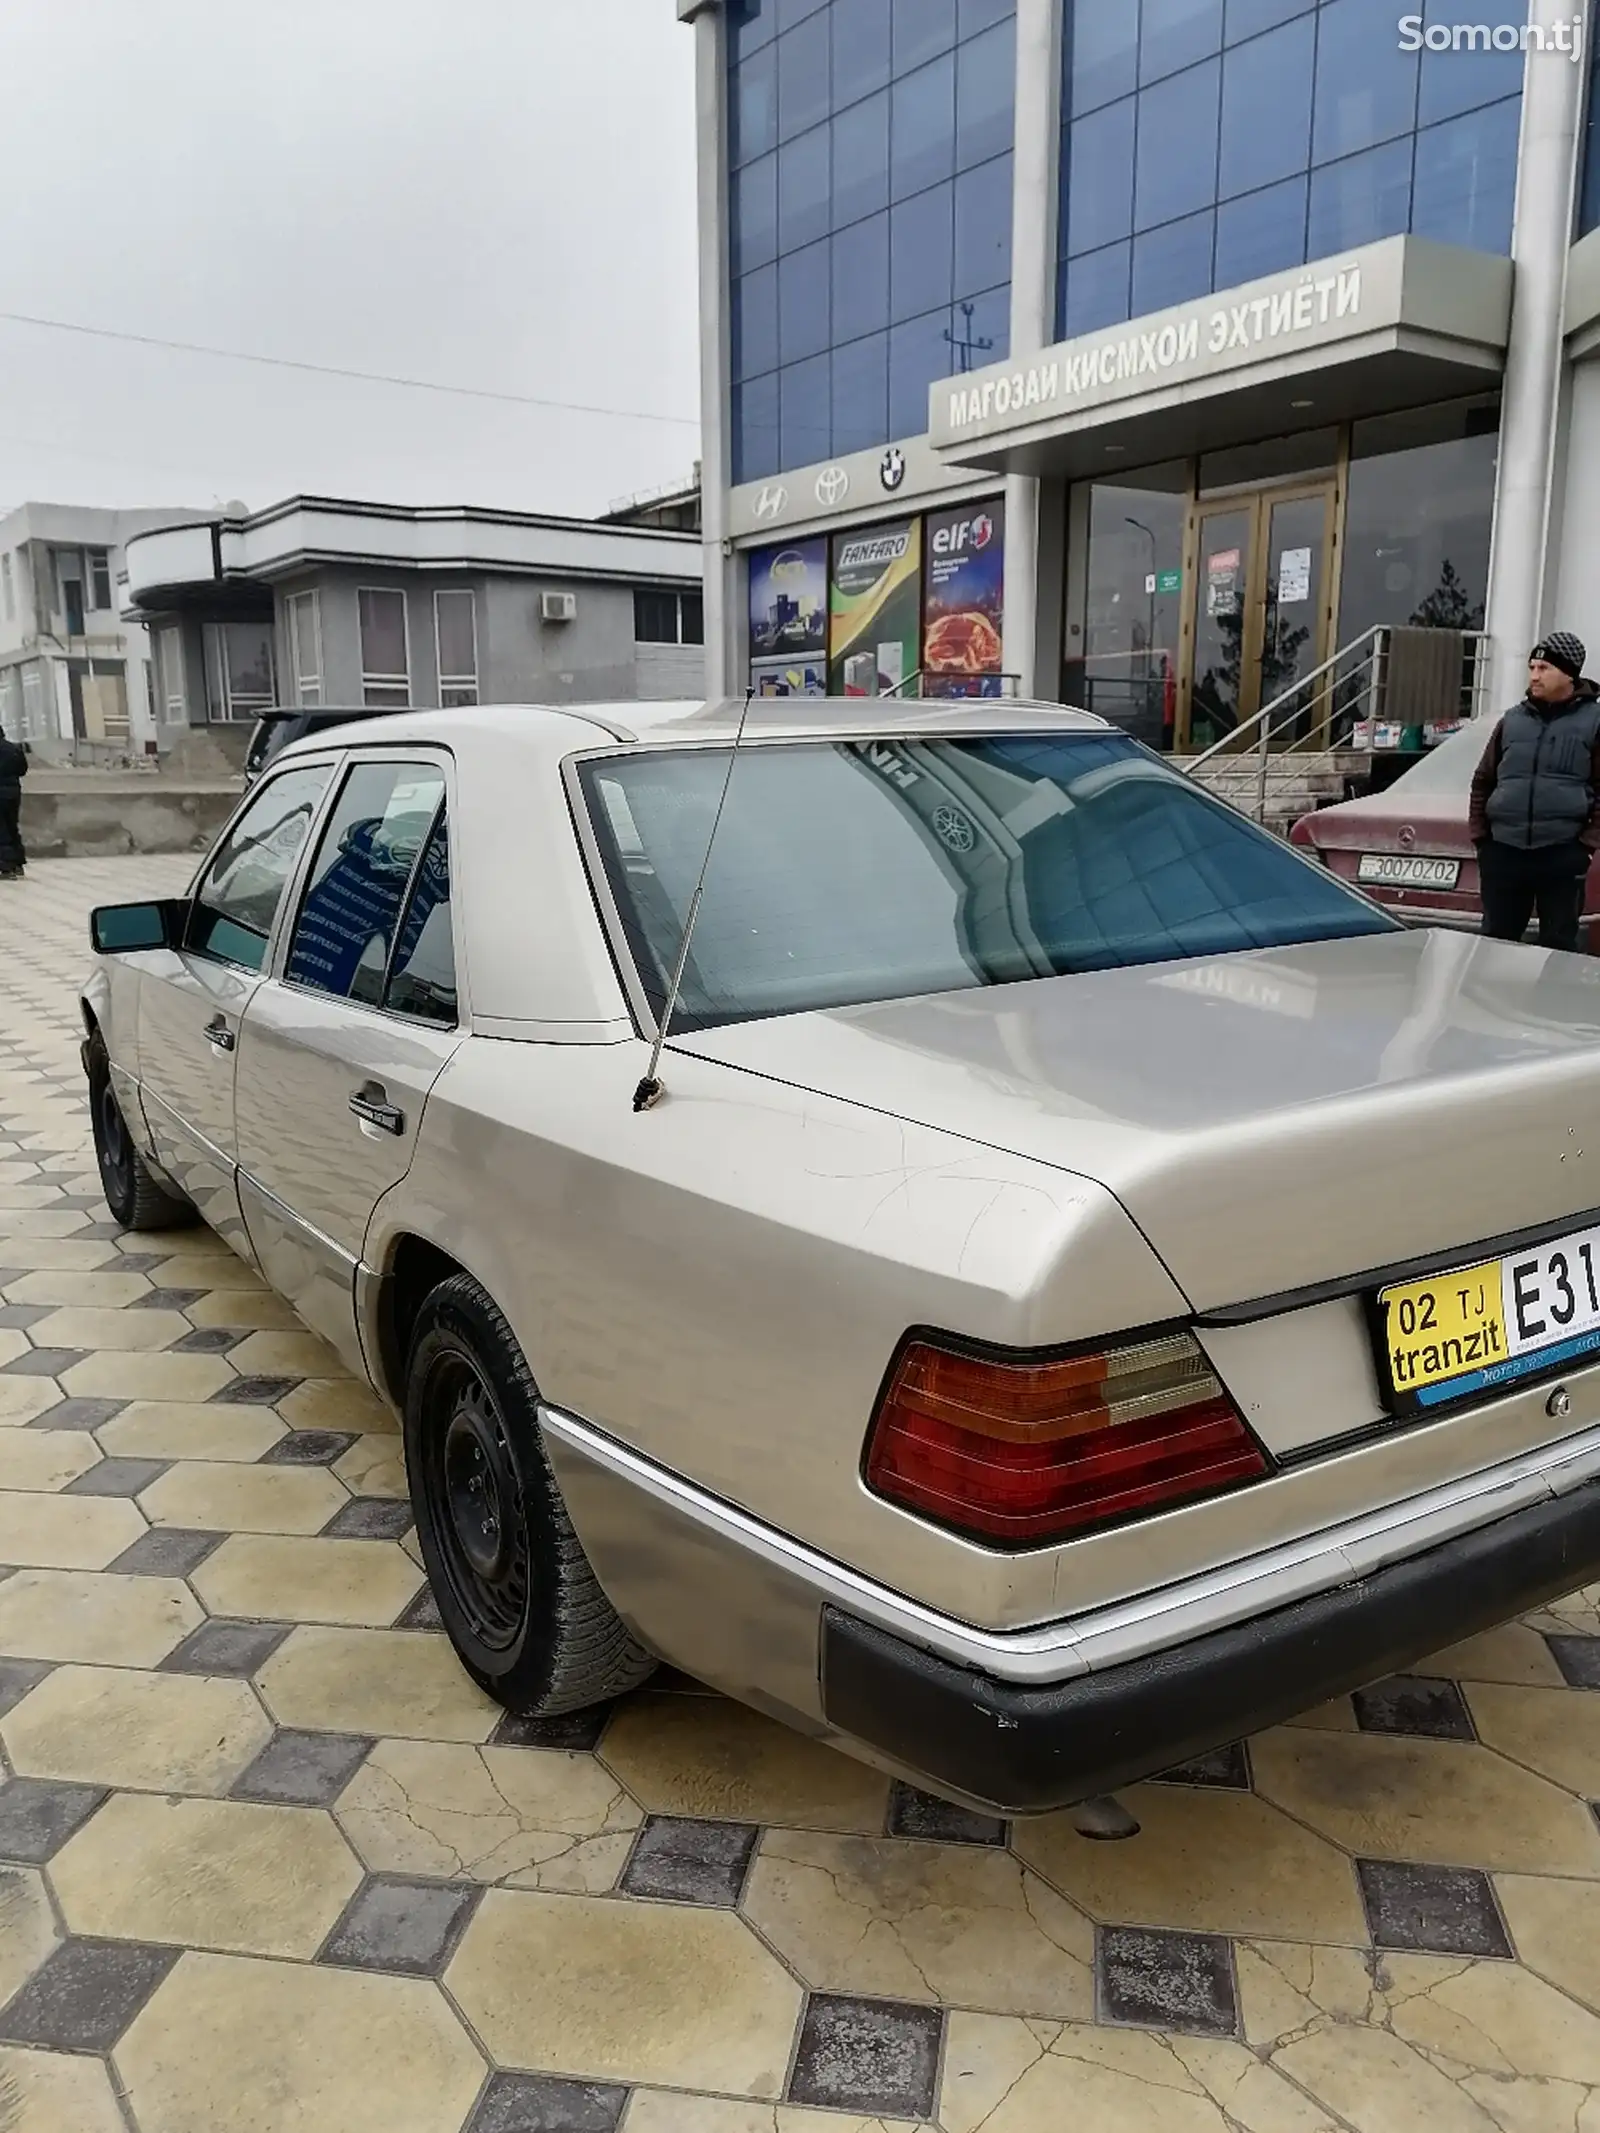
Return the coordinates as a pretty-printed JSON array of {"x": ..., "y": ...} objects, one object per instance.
[{"x": 1296, "y": 783}]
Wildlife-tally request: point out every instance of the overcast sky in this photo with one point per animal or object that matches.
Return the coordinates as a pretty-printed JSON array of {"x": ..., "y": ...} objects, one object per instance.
[{"x": 488, "y": 193}]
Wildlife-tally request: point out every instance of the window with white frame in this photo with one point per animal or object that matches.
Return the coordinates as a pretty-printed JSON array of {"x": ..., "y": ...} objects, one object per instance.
[
  {"x": 668, "y": 617},
  {"x": 455, "y": 621},
  {"x": 385, "y": 650},
  {"x": 99, "y": 561},
  {"x": 8, "y": 591},
  {"x": 171, "y": 702},
  {"x": 303, "y": 617},
  {"x": 240, "y": 680}
]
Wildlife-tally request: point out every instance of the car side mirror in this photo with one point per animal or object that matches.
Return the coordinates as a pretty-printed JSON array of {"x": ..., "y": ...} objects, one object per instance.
[{"x": 122, "y": 929}]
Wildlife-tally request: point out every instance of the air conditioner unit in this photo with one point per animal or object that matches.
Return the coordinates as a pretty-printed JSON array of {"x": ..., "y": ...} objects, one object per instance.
[{"x": 558, "y": 607}]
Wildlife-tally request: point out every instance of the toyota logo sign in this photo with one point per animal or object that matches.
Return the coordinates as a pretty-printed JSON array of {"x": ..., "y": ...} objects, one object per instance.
[{"x": 833, "y": 485}]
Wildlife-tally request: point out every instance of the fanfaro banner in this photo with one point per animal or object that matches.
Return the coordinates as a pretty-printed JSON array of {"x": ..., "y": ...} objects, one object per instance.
[{"x": 875, "y": 608}]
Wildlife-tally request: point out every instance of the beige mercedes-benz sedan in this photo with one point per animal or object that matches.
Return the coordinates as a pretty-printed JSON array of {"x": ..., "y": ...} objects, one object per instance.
[{"x": 1080, "y": 1283}]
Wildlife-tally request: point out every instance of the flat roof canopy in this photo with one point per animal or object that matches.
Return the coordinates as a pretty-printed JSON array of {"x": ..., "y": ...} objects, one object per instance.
[{"x": 1388, "y": 326}]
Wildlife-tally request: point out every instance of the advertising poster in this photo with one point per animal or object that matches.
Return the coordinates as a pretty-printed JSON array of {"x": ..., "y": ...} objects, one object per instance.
[
  {"x": 964, "y": 610},
  {"x": 789, "y": 619},
  {"x": 875, "y": 608}
]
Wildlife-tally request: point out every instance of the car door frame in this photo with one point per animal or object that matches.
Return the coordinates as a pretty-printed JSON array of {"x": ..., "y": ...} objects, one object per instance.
[
  {"x": 346, "y": 1268},
  {"x": 203, "y": 1170}
]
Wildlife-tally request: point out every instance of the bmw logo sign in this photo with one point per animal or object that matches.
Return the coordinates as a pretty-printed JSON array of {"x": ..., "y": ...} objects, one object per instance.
[{"x": 892, "y": 468}]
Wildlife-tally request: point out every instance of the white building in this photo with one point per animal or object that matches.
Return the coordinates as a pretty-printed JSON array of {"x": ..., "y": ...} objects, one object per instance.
[{"x": 72, "y": 670}]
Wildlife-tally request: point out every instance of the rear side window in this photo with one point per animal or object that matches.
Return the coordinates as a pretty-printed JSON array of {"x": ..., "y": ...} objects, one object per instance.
[
  {"x": 422, "y": 970},
  {"x": 361, "y": 878},
  {"x": 241, "y": 889},
  {"x": 846, "y": 872}
]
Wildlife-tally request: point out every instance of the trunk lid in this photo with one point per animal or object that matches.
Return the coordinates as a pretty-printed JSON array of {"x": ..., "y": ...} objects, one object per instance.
[{"x": 1272, "y": 1120}]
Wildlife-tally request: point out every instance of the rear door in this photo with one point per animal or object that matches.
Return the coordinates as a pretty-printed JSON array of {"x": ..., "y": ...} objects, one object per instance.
[
  {"x": 339, "y": 1048},
  {"x": 191, "y": 1001}
]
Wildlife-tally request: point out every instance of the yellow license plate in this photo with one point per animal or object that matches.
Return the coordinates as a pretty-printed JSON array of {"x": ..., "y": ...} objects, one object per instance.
[{"x": 1449, "y": 1326}]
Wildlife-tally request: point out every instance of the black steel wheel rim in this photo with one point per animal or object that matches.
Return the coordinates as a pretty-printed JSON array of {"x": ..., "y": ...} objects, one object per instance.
[
  {"x": 479, "y": 1518},
  {"x": 115, "y": 1148}
]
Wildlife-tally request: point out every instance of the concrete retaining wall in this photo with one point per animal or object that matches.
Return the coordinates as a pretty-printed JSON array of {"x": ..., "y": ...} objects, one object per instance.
[{"x": 106, "y": 818}]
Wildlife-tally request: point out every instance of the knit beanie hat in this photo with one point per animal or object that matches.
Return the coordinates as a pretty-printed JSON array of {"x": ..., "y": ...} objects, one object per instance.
[{"x": 1561, "y": 649}]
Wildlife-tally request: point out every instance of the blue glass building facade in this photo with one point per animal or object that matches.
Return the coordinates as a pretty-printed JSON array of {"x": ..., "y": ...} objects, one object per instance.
[
  {"x": 870, "y": 177},
  {"x": 1206, "y": 142},
  {"x": 1589, "y": 168}
]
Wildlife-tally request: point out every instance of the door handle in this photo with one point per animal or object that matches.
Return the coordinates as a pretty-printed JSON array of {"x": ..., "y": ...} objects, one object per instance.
[
  {"x": 218, "y": 1034},
  {"x": 369, "y": 1106}
]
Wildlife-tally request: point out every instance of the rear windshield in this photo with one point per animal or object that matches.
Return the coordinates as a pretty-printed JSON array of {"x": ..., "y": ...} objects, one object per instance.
[{"x": 871, "y": 870}]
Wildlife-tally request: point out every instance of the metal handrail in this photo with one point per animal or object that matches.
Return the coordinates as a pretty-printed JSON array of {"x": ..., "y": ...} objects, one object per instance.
[
  {"x": 1295, "y": 689},
  {"x": 1297, "y": 699}
]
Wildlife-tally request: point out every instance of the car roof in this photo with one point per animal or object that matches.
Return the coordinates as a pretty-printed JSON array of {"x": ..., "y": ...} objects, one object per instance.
[
  {"x": 512, "y": 848},
  {"x": 685, "y": 723}
]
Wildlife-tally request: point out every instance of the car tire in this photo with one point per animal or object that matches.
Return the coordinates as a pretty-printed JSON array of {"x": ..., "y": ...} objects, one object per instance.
[
  {"x": 135, "y": 1195},
  {"x": 515, "y": 1591}
]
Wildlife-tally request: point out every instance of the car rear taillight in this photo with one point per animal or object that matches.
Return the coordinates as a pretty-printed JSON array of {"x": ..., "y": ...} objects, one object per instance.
[{"x": 1034, "y": 1451}]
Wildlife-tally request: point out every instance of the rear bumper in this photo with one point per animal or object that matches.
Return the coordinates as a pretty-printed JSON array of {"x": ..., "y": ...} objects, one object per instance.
[{"x": 1028, "y": 1749}]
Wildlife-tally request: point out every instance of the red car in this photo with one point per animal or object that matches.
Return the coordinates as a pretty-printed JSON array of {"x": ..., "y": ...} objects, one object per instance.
[{"x": 1408, "y": 847}]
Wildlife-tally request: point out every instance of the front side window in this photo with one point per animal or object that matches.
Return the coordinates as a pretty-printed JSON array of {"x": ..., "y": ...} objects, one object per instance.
[
  {"x": 361, "y": 877},
  {"x": 243, "y": 885},
  {"x": 845, "y": 872},
  {"x": 456, "y": 628},
  {"x": 385, "y": 648}
]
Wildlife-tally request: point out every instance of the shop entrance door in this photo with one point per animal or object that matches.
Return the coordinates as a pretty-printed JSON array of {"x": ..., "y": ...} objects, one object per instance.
[{"x": 1259, "y": 568}]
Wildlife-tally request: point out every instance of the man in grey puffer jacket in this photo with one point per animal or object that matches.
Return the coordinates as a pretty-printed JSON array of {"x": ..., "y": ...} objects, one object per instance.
[{"x": 1533, "y": 814}]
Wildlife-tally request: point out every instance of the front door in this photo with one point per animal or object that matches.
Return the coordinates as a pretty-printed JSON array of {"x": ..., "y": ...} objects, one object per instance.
[
  {"x": 192, "y": 1000},
  {"x": 340, "y": 1047},
  {"x": 1260, "y": 583}
]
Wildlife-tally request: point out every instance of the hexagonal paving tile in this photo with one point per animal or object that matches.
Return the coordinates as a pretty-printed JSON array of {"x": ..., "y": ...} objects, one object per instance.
[
  {"x": 336, "y": 1403},
  {"x": 111, "y": 1376},
  {"x": 235, "y": 2044},
  {"x": 276, "y": 1577},
  {"x": 192, "y": 1430},
  {"x": 28, "y": 1929},
  {"x": 47, "y": 2092},
  {"x": 244, "y": 1499},
  {"x": 610, "y": 1991},
  {"x": 400, "y": 1682},
  {"x": 1553, "y": 1731},
  {"x": 103, "y": 1725},
  {"x": 44, "y": 1459},
  {"x": 534, "y": 1818},
  {"x": 248, "y": 1880},
  {"x": 1008, "y": 2076},
  {"x": 704, "y": 1755},
  {"x": 23, "y": 1399},
  {"x": 1430, "y": 1800},
  {"x": 66, "y": 1532},
  {"x": 109, "y": 1331},
  {"x": 921, "y": 1922},
  {"x": 1204, "y": 1861},
  {"x": 99, "y": 1617}
]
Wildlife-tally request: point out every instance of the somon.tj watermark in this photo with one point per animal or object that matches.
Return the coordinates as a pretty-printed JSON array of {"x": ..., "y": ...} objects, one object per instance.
[{"x": 1563, "y": 36}]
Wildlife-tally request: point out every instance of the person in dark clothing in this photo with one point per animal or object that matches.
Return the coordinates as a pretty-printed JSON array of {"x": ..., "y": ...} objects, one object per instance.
[
  {"x": 1535, "y": 809},
  {"x": 13, "y": 769}
]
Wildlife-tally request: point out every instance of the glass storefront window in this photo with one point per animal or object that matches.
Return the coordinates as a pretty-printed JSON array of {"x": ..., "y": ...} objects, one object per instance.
[
  {"x": 1127, "y": 667},
  {"x": 870, "y": 215},
  {"x": 1302, "y": 128},
  {"x": 1421, "y": 499}
]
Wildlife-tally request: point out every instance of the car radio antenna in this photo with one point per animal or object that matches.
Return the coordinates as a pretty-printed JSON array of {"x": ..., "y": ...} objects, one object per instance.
[{"x": 650, "y": 1092}]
